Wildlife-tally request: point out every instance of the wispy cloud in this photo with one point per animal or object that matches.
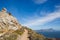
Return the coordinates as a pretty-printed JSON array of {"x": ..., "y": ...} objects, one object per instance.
[
  {"x": 39, "y": 1},
  {"x": 42, "y": 20}
]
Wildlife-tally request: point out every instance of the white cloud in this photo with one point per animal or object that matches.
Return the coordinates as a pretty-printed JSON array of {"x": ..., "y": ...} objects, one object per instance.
[
  {"x": 42, "y": 20},
  {"x": 39, "y": 1}
]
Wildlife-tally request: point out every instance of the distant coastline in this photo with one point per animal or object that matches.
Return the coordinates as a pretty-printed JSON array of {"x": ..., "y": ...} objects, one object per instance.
[{"x": 49, "y": 33}]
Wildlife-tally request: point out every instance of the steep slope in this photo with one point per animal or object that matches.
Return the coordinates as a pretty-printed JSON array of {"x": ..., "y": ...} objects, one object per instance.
[
  {"x": 33, "y": 35},
  {"x": 8, "y": 25},
  {"x": 10, "y": 29},
  {"x": 8, "y": 22}
]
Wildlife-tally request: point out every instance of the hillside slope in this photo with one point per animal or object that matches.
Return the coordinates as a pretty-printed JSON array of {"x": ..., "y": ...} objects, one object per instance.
[{"x": 10, "y": 29}]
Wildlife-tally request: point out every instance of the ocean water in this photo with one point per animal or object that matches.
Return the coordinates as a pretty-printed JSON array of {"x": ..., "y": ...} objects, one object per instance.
[{"x": 51, "y": 34}]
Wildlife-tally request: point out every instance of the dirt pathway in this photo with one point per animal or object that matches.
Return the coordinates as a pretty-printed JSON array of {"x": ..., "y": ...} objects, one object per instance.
[{"x": 24, "y": 36}]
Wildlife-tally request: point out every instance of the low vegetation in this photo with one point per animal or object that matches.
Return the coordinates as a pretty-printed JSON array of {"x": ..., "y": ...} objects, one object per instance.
[
  {"x": 20, "y": 31},
  {"x": 33, "y": 35},
  {"x": 9, "y": 36}
]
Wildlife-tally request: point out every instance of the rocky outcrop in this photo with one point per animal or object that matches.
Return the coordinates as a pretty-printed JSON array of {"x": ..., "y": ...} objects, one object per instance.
[{"x": 8, "y": 22}]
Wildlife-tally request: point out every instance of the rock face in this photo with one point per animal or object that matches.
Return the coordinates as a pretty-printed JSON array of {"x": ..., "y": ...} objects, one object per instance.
[
  {"x": 8, "y": 23},
  {"x": 10, "y": 29}
]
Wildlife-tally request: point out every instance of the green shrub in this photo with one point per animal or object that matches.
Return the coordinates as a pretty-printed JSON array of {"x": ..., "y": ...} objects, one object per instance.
[
  {"x": 20, "y": 32},
  {"x": 11, "y": 36}
]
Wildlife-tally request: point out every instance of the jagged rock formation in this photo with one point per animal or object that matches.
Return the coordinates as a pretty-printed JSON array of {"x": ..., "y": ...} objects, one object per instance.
[
  {"x": 7, "y": 22},
  {"x": 10, "y": 29}
]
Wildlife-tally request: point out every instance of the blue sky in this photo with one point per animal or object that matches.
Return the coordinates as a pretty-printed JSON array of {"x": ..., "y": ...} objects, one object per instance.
[{"x": 35, "y": 14}]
